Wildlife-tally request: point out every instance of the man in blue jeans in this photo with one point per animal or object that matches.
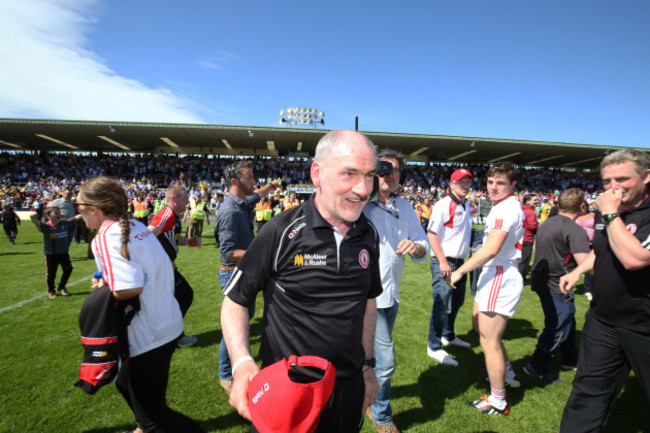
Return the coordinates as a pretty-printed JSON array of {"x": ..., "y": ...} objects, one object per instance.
[
  {"x": 235, "y": 227},
  {"x": 400, "y": 233},
  {"x": 561, "y": 246},
  {"x": 450, "y": 234}
]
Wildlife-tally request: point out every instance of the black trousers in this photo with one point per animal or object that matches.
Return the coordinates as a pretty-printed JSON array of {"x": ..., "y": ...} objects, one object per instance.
[
  {"x": 606, "y": 355},
  {"x": 342, "y": 414},
  {"x": 142, "y": 381},
  {"x": 183, "y": 292},
  {"x": 52, "y": 262},
  {"x": 526, "y": 253},
  {"x": 11, "y": 230}
]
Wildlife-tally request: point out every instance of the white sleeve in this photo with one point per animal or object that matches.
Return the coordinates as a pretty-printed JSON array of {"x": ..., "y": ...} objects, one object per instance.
[
  {"x": 438, "y": 217},
  {"x": 505, "y": 219},
  {"x": 119, "y": 273}
]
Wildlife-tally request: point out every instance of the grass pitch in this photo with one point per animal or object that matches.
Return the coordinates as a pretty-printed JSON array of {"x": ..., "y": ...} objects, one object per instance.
[{"x": 40, "y": 353}]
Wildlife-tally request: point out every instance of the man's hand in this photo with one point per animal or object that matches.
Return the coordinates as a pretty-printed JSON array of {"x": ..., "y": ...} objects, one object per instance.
[
  {"x": 445, "y": 269},
  {"x": 406, "y": 246},
  {"x": 453, "y": 278},
  {"x": 370, "y": 380},
  {"x": 567, "y": 282},
  {"x": 194, "y": 241},
  {"x": 239, "y": 392},
  {"x": 610, "y": 201}
]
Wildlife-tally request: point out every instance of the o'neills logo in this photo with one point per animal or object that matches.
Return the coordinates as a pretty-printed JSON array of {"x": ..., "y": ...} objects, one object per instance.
[
  {"x": 310, "y": 260},
  {"x": 261, "y": 392},
  {"x": 364, "y": 258}
]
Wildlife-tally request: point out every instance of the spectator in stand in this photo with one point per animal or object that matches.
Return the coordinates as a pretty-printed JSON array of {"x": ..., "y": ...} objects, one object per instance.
[{"x": 530, "y": 229}]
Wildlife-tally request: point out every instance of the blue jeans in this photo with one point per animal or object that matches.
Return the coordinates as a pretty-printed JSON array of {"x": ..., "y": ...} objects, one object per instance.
[
  {"x": 385, "y": 363},
  {"x": 558, "y": 333},
  {"x": 225, "y": 368},
  {"x": 446, "y": 303}
]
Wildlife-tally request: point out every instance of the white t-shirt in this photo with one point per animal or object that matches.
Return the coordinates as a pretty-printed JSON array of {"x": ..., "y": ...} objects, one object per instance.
[
  {"x": 159, "y": 320},
  {"x": 452, "y": 223},
  {"x": 506, "y": 214}
]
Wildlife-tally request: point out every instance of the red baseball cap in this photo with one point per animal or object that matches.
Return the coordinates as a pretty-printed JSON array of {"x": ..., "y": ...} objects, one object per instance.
[
  {"x": 279, "y": 404},
  {"x": 459, "y": 174}
]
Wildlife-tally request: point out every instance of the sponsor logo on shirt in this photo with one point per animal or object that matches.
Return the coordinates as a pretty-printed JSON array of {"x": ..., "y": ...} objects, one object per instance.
[
  {"x": 310, "y": 260},
  {"x": 364, "y": 258},
  {"x": 631, "y": 228},
  {"x": 296, "y": 230}
]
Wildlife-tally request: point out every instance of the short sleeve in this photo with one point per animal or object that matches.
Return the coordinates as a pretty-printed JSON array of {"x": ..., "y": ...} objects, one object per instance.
[
  {"x": 119, "y": 273},
  {"x": 506, "y": 219},
  {"x": 438, "y": 217},
  {"x": 164, "y": 220},
  {"x": 579, "y": 241}
]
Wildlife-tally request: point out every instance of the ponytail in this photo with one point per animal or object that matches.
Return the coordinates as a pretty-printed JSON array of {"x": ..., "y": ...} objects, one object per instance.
[{"x": 126, "y": 232}]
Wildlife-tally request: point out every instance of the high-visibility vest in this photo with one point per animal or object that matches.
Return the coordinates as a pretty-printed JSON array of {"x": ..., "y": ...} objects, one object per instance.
[
  {"x": 196, "y": 211},
  {"x": 158, "y": 205},
  {"x": 290, "y": 204},
  {"x": 140, "y": 208},
  {"x": 263, "y": 212},
  {"x": 426, "y": 211}
]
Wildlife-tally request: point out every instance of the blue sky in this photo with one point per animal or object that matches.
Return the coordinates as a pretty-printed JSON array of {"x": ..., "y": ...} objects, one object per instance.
[{"x": 575, "y": 71}]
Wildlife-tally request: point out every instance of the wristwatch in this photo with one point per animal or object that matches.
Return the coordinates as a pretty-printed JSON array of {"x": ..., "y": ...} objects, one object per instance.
[
  {"x": 608, "y": 218},
  {"x": 369, "y": 363}
]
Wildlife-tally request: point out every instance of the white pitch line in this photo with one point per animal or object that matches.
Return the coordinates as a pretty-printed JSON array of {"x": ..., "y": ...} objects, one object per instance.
[{"x": 33, "y": 298}]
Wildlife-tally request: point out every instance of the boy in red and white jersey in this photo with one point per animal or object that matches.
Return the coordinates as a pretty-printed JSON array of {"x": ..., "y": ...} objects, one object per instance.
[{"x": 500, "y": 284}]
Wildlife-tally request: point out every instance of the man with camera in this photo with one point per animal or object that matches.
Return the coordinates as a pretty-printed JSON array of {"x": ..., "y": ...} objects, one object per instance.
[{"x": 400, "y": 233}]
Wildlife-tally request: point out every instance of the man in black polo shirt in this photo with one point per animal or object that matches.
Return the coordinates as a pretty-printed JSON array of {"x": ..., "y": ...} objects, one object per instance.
[
  {"x": 616, "y": 334},
  {"x": 561, "y": 246},
  {"x": 318, "y": 267}
]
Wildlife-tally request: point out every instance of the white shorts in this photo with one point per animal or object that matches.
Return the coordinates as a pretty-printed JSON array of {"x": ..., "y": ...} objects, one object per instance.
[{"x": 499, "y": 290}]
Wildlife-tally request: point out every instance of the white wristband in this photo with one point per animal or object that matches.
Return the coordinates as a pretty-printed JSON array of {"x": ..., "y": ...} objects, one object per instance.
[{"x": 240, "y": 361}]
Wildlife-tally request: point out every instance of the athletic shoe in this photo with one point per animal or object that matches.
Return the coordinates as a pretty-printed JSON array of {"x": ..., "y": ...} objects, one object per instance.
[
  {"x": 546, "y": 377},
  {"x": 442, "y": 357},
  {"x": 187, "y": 341},
  {"x": 226, "y": 384},
  {"x": 64, "y": 292},
  {"x": 484, "y": 406},
  {"x": 569, "y": 367},
  {"x": 455, "y": 342},
  {"x": 511, "y": 382},
  {"x": 51, "y": 295}
]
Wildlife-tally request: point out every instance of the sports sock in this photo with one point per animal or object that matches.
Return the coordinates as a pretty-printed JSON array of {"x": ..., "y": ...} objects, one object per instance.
[
  {"x": 510, "y": 372},
  {"x": 498, "y": 398}
]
